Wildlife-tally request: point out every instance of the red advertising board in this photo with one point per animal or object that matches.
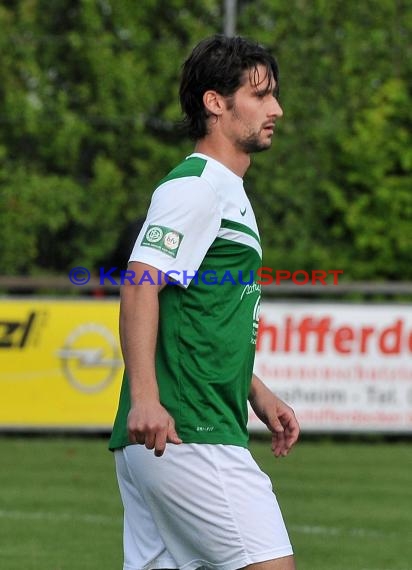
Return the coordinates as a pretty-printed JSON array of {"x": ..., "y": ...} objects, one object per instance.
[{"x": 342, "y": 367}]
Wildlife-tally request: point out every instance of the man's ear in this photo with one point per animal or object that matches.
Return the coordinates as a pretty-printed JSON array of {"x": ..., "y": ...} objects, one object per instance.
[{"x": 213, "y": 102}]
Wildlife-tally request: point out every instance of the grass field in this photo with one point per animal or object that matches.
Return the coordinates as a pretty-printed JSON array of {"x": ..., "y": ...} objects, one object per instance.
[{"x": 348, "y": 505}]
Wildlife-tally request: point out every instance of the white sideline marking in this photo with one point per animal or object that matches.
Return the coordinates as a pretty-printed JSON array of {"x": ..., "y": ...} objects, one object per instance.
[
  {"x": 103, "y": 519},
  {"x": 115, "y": 521},
  {"x": 335, "y": 531},
  {"x": 39, "y": 515},
  {"x": 106, "y": 520}
]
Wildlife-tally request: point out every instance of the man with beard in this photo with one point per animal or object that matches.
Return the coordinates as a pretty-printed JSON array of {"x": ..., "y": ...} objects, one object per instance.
[{"x": 193, "y": 496}]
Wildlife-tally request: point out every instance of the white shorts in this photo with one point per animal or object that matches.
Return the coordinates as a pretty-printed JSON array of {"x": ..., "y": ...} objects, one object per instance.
[{"x": 197, "y": 505}]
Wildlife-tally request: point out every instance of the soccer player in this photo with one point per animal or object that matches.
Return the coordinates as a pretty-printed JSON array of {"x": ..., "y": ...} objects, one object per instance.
[{"x": 192, "y": 494}]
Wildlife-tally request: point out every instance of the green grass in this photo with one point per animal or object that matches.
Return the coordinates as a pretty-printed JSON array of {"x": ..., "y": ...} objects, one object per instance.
[{"x": 348, "y": 506}]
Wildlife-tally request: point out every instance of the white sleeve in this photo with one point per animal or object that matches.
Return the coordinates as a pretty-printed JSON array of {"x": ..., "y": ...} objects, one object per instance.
[{"x": 181, "y": 224}]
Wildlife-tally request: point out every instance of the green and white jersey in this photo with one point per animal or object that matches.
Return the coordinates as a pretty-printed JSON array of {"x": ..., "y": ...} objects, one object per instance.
[{"x": 200, "y": 227}]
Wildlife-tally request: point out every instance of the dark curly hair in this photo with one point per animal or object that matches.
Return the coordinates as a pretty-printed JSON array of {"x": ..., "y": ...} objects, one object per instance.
[{"x": 218, "y": 63}]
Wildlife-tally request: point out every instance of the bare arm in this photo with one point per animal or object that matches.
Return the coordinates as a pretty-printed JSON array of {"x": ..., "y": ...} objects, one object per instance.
[
  {"x": 148, "y": 421},
  {"x": 278, "y": 417}
]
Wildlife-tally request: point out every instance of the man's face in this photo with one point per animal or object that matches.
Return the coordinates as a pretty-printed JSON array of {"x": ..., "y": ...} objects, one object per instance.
[{"x": 252, "y": 112}]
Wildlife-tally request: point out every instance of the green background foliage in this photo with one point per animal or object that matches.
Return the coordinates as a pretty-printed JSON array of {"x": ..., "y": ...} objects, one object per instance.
[{"x": 89, "y": 123}]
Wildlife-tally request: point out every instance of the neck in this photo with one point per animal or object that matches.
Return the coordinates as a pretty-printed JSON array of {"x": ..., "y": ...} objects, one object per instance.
[{"x": 236, "y": 160}]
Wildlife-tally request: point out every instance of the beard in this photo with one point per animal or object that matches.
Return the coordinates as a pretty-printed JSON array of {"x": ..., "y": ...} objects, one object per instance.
[{"x": 252, "y": 143}]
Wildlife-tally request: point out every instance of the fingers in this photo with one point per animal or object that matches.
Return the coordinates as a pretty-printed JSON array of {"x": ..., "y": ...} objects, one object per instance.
[
  {"x": 150, "y": 440},
  {"x": 292, "y": 431},
  {"x": 278, "y": 436},
  {"x": 285, "y": 430},
  {"x": 154, "y": 436},
  {"x": 166, "y": 436},
  {"x": 133, "y": 436},
  {"x": 172, "y": 436},
  {"x": 282, "y": 443},
  {"x": 160, "y": 445},
  {"x": 279, "y": 446}
]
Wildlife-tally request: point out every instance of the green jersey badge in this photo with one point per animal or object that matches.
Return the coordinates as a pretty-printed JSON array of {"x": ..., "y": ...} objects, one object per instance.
[{"x": 165, "y": 239}]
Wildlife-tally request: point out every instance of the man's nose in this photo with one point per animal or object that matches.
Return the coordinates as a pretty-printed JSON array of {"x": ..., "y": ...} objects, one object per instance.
[{"x": 277, "y": 110}]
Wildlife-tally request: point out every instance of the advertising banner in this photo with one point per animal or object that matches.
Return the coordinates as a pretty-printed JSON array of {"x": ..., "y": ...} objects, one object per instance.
[
  {"x": 342, "y": 367},
  {"x": 61, "y": 364}
]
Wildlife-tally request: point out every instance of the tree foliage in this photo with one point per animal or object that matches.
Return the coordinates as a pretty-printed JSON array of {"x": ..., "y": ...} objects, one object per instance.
[
  {"x": 89, "y": 114},
  {"x": 339, "y": 186}
]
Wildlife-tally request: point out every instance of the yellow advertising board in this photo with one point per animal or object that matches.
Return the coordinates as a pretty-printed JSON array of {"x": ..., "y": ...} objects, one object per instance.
[
  {"x": 342, "y": 368},
  {"x": 60, "y": 363}
]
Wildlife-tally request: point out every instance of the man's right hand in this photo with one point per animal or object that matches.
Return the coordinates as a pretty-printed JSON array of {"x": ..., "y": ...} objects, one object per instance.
[{"x": 149, "y": 423}]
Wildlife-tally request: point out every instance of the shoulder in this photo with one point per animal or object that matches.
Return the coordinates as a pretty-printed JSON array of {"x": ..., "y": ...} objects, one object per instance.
[
  {"x": 185, "y": 187},
  {"x": 193, "y": 166}
]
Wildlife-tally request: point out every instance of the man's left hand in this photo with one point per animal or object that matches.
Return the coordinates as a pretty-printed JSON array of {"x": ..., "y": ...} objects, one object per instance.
[{"x": 277, "y": 415}]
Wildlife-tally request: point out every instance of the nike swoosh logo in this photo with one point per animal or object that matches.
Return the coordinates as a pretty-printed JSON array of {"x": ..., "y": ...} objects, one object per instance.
[{"x": 243, "y": 212}]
